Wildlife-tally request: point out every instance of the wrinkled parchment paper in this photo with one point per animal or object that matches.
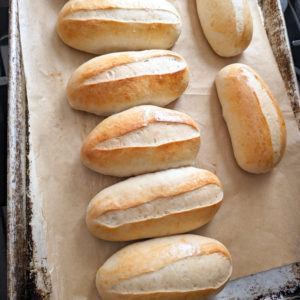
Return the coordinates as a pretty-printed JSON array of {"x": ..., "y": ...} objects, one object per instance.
[{"x": 259, "y": 220}]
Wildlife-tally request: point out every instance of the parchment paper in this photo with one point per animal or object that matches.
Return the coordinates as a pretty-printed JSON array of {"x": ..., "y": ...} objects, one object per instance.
[{"x": 259, "y": 219}]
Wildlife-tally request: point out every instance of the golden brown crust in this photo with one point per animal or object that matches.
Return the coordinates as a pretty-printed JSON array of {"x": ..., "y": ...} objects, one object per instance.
[
  {"x": 279, "y": 113},
  {"x": 160, "y": 157},
  {"x": 126, "y": 92},
  {"x": 79, "y": 5},
  {"x": 226, "y": 24},
  {"x": 71, "y": 31},
  {"x": 244, "y": 40},
  {"x": 103, "y": 63},
  {"x": 175, "y": 223},
  {"x": 145, "y": 257},
  {"x": 71, "y": 7},
  {"x": 104, "y": 98},
  {"x": 247, "y": 123},
  {"x": 99, "y": 35},
  {"x": 219, "y": 22},
  {"x": 119, "y": 161},
  {"x": 133, "y": 119},
  {"x": 255, "y": 138}
]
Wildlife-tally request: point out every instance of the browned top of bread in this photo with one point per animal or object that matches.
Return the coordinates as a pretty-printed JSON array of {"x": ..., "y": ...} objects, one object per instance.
[
  {"x": 227, "y": 25},
  {"x": 194, "y": 179},
  {"x": 82, "y": 5},
  {"x": 133, "y": 119},
  {"x": 115, "y": 82},
  {"x": 130, "y": 261},
  {"x": 117, "y": 25},
  {"x": 108, "y": 61},
  {"x": 243, "y": 100}
]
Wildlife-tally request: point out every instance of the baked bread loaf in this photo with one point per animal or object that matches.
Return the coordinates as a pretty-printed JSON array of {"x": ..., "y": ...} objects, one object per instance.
[
  {"x": 254, "y": 120},
  {"x": 156, "y": 204},
  {"x": 140, "y": 140},
  {"x": 227, "y": 25},
  {"x": 114, "y": 82},
  {"x": 103, "y": 26},
  {"x": 170, "y": 268}
]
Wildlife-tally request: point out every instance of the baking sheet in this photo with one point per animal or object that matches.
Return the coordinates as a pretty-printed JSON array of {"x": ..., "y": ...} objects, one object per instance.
[{"x": 258, "y": 221}]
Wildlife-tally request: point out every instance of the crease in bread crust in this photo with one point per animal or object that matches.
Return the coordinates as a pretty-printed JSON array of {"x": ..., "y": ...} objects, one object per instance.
[
  {"x": 79, "y": 27},
  {"x": 202, "y": 197},
  {"x": 239, "y": 16},
  {"x": 114, "y": 7},
  {"x": 254, "y": 120},
  {"x": 155, "y": 134},
  {"x": 153, "y": 255},
  {"x": 155, "y": 204},
  {"x": 135, "y": 118},
  {"x": 197, "y": 276},
  {"x": 115, "y": 82},
  {"x": 126, "y": 15},
  {"x": 106, "y": 62},
  {"x": 98, "y": 150},
  {"x": 151, "y": 66},
  {"x": 78, "y": 5},
  {"x": 149, "y": 187},
  {"x": 268, "y": 109},
  {"x": 134, "y": 159},
  {"x": 108, "y": 161}
]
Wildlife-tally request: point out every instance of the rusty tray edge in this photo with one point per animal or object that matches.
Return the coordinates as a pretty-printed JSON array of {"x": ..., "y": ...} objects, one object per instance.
[
  {"x": 16, "y": 164},
  {"x": 27, "y": 271},
  {"x": 275, "y": 26},
  {"x": 24, "y": 268}
]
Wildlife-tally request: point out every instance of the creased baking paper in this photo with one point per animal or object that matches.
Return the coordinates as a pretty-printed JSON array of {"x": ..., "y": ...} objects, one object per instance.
[{"x": 259, "y": 221}]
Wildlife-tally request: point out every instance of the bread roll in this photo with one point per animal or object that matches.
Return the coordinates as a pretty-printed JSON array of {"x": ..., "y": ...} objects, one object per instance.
[
  {"x": 114, "y": 82},
  {"x": 156, "y": 204},
  {"x": 103, "y": 26},
  {"x": 227, "y": 25},
  {"x": 254, "y": 120},
  {"x": 178, "y": 267},
  {"x": 140, "y": 140}
]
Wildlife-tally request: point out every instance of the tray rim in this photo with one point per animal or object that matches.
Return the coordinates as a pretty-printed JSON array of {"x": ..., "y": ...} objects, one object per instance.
[
  {"x": 16, "y": 163},
  {"x": 278, "y": 38},
  {"x": 21, "y": 268}
]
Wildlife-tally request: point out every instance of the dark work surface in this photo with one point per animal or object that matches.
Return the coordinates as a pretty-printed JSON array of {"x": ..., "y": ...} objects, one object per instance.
[
  {"x": 3, "y": 127},
  {"x": 292, "y": 19},
  {"x": 3, "y": 104},
  {"x": 3, "y": 130}
]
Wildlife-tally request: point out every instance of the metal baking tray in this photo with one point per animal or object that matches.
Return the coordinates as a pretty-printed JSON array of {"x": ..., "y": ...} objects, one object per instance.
[{"x": 28, "y": 277}]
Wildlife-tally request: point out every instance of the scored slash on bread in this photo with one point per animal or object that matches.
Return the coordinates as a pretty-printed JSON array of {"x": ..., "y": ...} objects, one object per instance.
[
  {"x": 140, "y": 140},
  {"x": 114, "y": 82},
  {"x": 156, "y": 204},
  {"x": 254, "y": 120},
  {"x": 105, "y": 26},
  {"x": 178, "y": 267}
]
